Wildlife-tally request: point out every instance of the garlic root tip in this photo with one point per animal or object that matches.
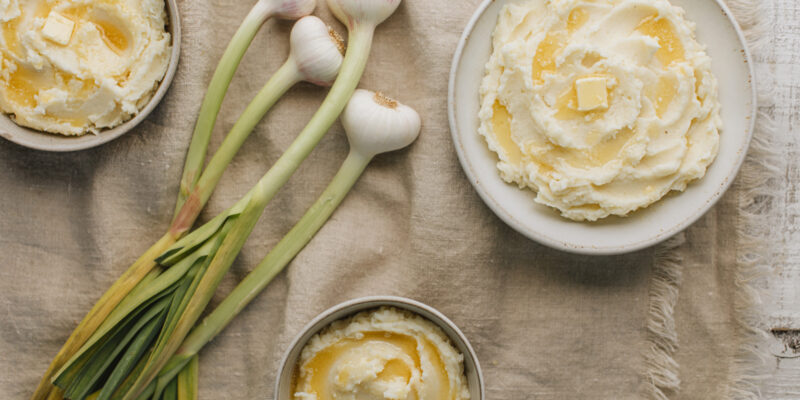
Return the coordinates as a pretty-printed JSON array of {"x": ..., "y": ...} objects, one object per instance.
[{"x": 385, "y": 101}]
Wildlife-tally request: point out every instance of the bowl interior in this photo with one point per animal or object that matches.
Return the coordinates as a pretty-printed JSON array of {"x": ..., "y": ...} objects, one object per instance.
[
  {"x": 52, "y": 142},
  {"x": 643, "y": 228},
  {"x": 471, "y": 366}
]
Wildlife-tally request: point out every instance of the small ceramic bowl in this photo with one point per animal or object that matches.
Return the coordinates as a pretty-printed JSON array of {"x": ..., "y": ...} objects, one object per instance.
[
  {"x": 52, "y": 142},
  {"x": 732, "y": 65},
  {"x": 472, "y": 368}
]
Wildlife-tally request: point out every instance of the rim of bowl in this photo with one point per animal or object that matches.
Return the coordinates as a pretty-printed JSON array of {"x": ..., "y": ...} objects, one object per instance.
[
  {"x": 509, "y": 219},
  {"x": 352, "y": 307},
  {"x": 44, "y": 141}
]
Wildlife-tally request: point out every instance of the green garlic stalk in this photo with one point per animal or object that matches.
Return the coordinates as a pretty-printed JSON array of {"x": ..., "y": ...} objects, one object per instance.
[
  {"x": 198, "y": 262},
  {"x": 374, "y": 124},
  {"x": 188, "y": 380}
]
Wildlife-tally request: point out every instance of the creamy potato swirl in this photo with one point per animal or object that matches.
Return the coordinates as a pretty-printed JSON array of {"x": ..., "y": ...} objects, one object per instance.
[
  {"x": 381, "y": 354},
  {"x": 95, "y": 70},
  {"x": 659, "y": 131}
]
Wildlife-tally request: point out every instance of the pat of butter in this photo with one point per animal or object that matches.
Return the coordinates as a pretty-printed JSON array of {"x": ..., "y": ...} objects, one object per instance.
[
  {"x": 58, "y": 28},
  {"x": 592, "y": 93}
]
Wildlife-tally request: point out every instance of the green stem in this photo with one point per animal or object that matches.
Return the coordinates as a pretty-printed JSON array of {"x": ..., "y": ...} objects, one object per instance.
[
  {"x": 271, "y": 266},
  {"x": 283, "y": 79},
  {"x": 213, "y": 100},
  {"x": 198, "y": 196},
  {"x": 188, "y": 381}
]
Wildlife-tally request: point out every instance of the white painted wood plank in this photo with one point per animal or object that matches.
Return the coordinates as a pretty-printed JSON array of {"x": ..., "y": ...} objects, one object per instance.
[{"x": 781, "y": 59}]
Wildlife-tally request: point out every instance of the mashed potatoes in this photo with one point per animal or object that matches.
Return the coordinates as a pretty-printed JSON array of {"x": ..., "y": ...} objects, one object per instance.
[
  {"x": 78, "y": 66},
  {"x": 601, "y": 107},
  {"x": 383, "y": 354}
]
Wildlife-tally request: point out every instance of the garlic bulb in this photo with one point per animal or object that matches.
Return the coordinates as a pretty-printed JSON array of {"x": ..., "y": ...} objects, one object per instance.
[
  {"x": 357, "y": 12},
  {"x": 290, "y": 9},
  {"x": 377, "y": 124},
  {"x": 317, "y": 51}
]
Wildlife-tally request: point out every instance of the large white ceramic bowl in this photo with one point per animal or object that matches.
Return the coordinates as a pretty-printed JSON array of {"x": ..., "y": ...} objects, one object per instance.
[
  {"x": 51, "y": 142},
  {"x": 472, "y": 369},
  {"x": 730, "y": 63}
]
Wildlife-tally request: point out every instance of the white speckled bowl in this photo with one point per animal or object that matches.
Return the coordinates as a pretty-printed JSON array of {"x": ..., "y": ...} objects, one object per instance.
[
  {"x": 472, "y": 368},
  {"x": 51, "y": 142},
  {"x": 732, "y": 65}
]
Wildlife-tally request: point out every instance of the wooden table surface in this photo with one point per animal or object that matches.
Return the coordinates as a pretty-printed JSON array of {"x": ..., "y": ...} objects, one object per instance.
[{"x": 778, "y": 70}]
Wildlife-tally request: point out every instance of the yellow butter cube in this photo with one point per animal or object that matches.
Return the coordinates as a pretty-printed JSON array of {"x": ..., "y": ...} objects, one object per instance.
[
  {"x": 58, "y": 28},
  {"x": 592, "y": 93}
]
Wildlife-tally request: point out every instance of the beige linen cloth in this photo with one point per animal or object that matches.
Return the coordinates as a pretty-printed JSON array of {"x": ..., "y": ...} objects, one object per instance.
[{"x": 668, "y": 322}]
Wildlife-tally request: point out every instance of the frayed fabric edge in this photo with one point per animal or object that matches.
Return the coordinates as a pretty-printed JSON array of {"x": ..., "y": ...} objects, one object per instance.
[
  {"x": 755, "y": 249},
  {"x": 754, "y": 256},
  {"x": 661, "y": 370}
]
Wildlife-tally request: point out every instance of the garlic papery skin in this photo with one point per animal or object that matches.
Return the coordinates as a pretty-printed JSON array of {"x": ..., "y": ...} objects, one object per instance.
[
  {"x": 362, "y": 12},
  {"x": 317, "y": 51},
  {"x": 376, "y": 124},
  {"x": 289, "y": 9}
]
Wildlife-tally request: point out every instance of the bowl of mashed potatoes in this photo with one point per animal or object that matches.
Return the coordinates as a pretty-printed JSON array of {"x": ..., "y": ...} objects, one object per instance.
[
  {"x": 380, "y": 348},
  {"x": 601, "y": 126},
  {"x": 79, "y": 73}
]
